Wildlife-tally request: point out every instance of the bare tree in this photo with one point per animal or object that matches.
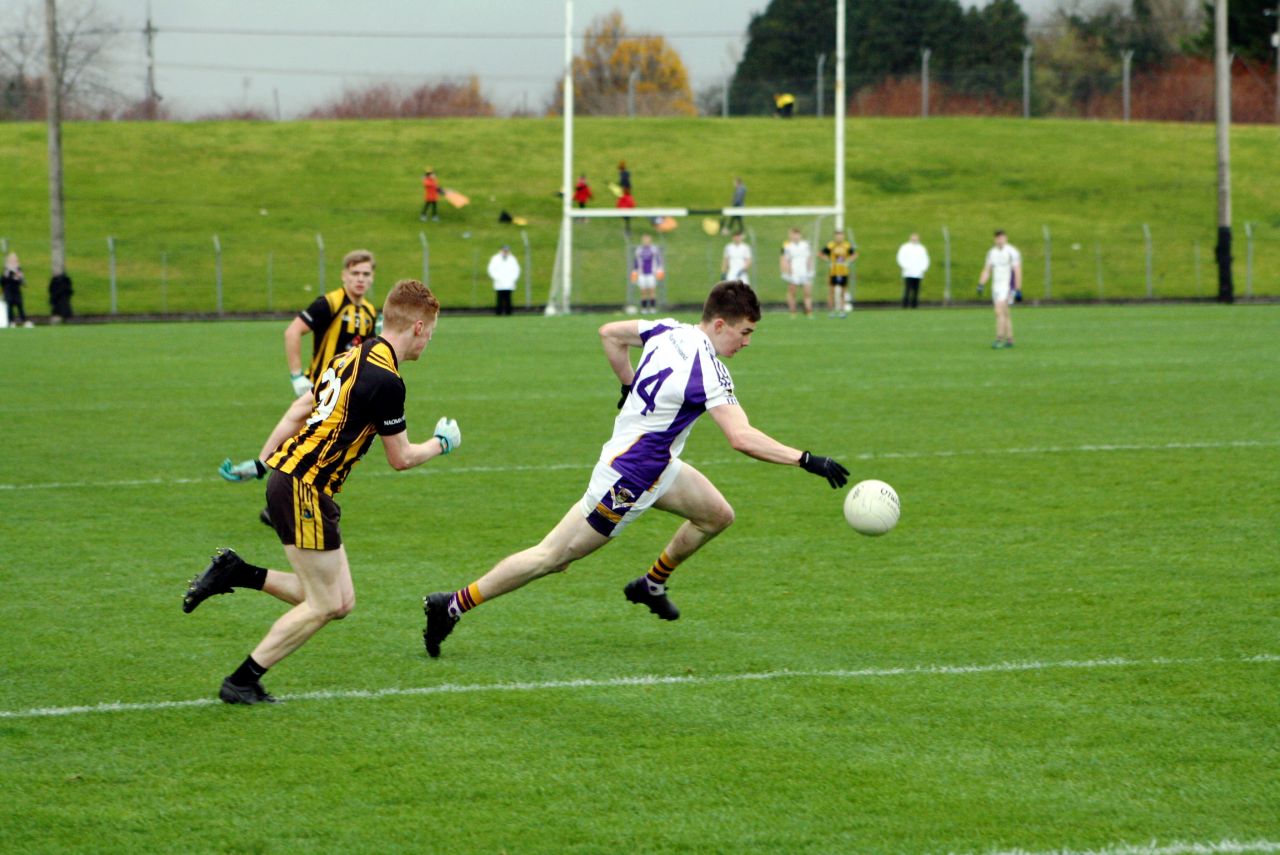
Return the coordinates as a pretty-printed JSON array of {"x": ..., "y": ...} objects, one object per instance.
[{"x": 87, "y": 41}]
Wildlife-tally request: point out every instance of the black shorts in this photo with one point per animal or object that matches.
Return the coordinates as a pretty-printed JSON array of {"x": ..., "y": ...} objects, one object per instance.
[
  {"x": 302, "y": 515},
  {"x": 839, "y": 280}
]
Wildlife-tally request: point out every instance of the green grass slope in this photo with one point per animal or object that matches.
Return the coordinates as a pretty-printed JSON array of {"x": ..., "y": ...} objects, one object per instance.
[
  {"x": 164, "y": 190},
  {"x": 1098, "y": 504}
]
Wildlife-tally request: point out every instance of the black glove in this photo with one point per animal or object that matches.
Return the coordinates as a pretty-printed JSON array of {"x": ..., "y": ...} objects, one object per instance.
[
  {"x": 626, "y": 390},
  {"x": 837, "y": 476}
]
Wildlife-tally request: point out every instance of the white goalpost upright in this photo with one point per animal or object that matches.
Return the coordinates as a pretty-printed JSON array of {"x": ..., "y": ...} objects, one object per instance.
[{"x": 560, "y": 298}]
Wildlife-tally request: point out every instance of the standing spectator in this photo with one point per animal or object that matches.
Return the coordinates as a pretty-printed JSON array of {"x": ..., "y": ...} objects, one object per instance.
[
  {"x": 12, "y": 281},
  {"x": 797, "y": 270},
  {"x": 840, "y": 253},
  {"x": 60, "y": 298},
  {"x": 624, "y": 178},
  {"x": 646, "y": 269},
  {"x": 913, "y": 258},
  {"x": 626, "y": 201},
  {"x": 1004, "y": 268},
  {"x": 504, "y": 270},
  {"x": 736, "y": 260},
  {"x": 582, "y": 192},
  {"x": 430, "y": 195},
  {"x": 734, "y": 223}
]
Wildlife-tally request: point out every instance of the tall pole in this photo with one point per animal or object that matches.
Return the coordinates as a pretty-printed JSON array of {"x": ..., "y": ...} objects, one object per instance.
[
  {"x": 53, "y": 98},
  {"x": 1275, "y": 42},
  {"x": 631, "y": 92},
  {"x": 566, "y": 199},
  {"x": 840, "y": 109},
  {"x": 822, "y": 60},
  {"x": 1222, "y": 89},
  {"x": 1026, "y": 82},
  {"x": 1126, "y": 57},
  {"x": 924, "y": 82},
  {"x": 150, "y": 34}
]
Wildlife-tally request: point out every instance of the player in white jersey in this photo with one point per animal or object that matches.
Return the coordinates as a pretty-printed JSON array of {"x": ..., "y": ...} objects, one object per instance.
[
  {"x": 1004, "y": 268},
  {"x": 736, "y": 261},
  {"x": 679, "y": 377},
  {"x": 797, "y": 270}
]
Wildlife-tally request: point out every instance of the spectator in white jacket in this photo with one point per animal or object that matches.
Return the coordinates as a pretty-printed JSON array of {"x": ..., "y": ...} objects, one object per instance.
[
  {"x": 913, "y": 258},
  {"x": 504, "y": 270}
]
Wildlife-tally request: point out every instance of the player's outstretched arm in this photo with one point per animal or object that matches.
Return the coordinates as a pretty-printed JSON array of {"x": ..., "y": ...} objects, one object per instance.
[
  {"x": 293, "y": 353},
  {"x": 752, "y": 442},
  {"x": 402, "y": 454},
  {"x": 618, "y": 338}
]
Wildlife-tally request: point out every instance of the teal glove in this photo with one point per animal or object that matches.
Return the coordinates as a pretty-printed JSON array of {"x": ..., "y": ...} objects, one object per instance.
[
  {"x": 301, "y": 385},
  {"x": 449, "y": 434}
]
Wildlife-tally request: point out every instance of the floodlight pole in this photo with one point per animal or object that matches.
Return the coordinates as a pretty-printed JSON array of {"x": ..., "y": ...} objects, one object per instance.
[
  {"x": 924, "y": 82},
  {"x": 1026, "y": 81},
  {"x": 53, "y": 98},
  {"x": 566, "y": 201},
  {"x": 149, "y": 33},
  {"x": 1222, "y": 88},
  {"x": 840, "y": 110},
  {"x": 1126, "y": 57}
]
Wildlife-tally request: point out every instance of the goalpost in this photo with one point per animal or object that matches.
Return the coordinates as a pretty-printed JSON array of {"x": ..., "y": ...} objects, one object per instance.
[{"x": 560, "y": 299}]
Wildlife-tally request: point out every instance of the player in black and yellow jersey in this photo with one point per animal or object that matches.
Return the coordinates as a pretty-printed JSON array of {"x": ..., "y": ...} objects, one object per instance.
[
  {"x": 841, "y": 254},
  {"x": 339, "y": 321},
  {"x": 359, "y": 394}
]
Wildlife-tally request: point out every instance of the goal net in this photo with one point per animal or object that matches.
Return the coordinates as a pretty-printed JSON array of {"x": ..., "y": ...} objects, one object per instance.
[{"x": 691, "y": 245}]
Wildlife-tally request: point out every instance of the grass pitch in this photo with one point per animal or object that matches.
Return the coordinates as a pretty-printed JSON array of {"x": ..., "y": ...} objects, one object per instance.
[{"x": 1069, "y": 642}]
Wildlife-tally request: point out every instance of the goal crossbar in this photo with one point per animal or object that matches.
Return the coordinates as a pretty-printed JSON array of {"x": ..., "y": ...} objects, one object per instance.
[{"x": 775, "y": 211}]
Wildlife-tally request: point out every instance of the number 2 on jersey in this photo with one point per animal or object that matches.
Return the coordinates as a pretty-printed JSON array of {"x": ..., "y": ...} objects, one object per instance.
[
  {"x": 647, "y": 387},
  {"x": 330, "y": 386}
]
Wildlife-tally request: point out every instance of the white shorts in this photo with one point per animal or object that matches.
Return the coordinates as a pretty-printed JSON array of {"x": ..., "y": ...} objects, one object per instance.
[
  {"x": 999, "y": 291},
  {"x": 647, "y": 280},
  {"x": 613, "y": 501},
  {"x": 804, "y": 279},
  {"x": 739, "y": 276}
]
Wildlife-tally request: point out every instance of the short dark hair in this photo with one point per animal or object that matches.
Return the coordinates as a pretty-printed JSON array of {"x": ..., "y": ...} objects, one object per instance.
[
  {"x": 1000, "y": 232},
  {"x": 733, "y": 301}
]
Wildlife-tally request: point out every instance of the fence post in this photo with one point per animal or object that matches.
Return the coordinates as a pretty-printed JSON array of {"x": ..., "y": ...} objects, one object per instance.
[
  {"x": 924, "y": 82},
  {"x": 270, "y": 260},
  {"x": 217, "y": 270},
  {"x": 320, "y": 251},
  {"x": 1048, "y": 264},
  {"x": 1146, "y": 240},
  {"x": 1097, "y": 254},
  {"x": 1026, "y": 81},
  {"x": 426, "y": 260},
  {"x": 1248, "y": 263},
  {"x": 822, "y": 60},
  {"x": 946, "y": 266},
  {"x": 164, "y": 282},
  {"x": 528, "y": 269},
  {"x": 1127, "y": 57},
  {"x": 724, "y": 99},
  {"x": 850, "y": 293},
  {"x": 4, "y": 245},
  {"x": 111, "y": 270},
  {"x": 475, "y": 274}
]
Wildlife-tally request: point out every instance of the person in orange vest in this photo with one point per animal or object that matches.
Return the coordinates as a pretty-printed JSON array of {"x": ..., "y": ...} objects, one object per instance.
[{"x": 430, "y": 194}]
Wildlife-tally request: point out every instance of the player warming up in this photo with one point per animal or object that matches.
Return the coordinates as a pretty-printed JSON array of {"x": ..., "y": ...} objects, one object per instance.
[
  {"x": 360, "y": 393},
  {"x": 841, "y": 254},
  {"x": 340, "y": 320},
  {"x": 679, "y": 377},
  {"x": 1003, "y": 268}
]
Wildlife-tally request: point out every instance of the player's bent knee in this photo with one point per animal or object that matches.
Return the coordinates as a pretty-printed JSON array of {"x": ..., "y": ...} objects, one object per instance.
[{"x": 721, "y": 519}]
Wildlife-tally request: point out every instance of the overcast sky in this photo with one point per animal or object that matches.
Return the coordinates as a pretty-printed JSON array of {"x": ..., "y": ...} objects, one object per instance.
[{"x": 517, "y": 51}]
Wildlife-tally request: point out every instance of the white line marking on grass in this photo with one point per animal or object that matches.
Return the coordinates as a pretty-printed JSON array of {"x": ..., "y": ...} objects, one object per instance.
[
  {"x": 586, "y": 466},
  {"x": 649, "y": 680},
  {"x": 1221, "y": 847}
]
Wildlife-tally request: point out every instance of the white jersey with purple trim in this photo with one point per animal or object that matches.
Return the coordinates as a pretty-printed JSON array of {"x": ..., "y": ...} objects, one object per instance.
[{"x": 678, "y": 379}]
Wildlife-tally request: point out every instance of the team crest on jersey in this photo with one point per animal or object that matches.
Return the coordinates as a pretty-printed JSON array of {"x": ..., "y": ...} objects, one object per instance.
[{"x": 621, "y": 497}]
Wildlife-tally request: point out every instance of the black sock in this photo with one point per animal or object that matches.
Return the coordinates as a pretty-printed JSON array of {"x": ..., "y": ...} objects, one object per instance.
[
  {"x": 261, "y": 467},
  {"x": 249, "y": 576},
  {"x": 248, "y": 673}
]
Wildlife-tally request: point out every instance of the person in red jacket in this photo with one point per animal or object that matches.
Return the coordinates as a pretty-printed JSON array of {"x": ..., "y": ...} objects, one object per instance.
[
  {"x": 430, "y": 194},
  {"x": 582, "y": 192},
  {"x": 626, "y": 200}
]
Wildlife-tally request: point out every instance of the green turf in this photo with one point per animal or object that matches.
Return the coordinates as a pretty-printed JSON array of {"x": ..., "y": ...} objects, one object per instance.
[
  {"x": 1108, "y": 489},
  {"x": 169, "y": 188}
]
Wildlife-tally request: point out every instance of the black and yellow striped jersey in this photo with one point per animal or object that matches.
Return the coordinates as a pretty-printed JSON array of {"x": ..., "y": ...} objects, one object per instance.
[
  {"x": 337, "y": 325},
  {"x": 360, "y": 393}
]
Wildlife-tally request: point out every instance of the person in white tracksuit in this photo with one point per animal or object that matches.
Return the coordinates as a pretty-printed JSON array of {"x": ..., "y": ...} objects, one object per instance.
[
  {"x": 913, "y": 258},
  {"x": 1004, "y": 269},
  {"x": 504, "y": 270}
]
